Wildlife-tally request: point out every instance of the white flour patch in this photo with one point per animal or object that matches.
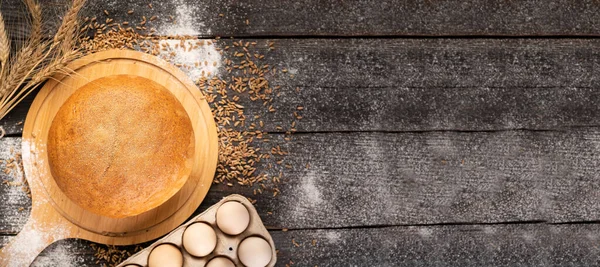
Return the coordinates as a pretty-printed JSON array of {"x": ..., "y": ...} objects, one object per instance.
[
  {"x": 489, "y": 230},
  {"x": 425, "y": 232},
  {"x": 62, "y": 255},
  {"x": 292, "y": 71},
  {"x": 186, "y": 21},
  {"x": 528, "y": 237},
  {"x": 332, "y": 237},
  {"x": 109, "y": 3},
  {"x": 310, "y": 193},
  {"x": 201, "y": 60}
]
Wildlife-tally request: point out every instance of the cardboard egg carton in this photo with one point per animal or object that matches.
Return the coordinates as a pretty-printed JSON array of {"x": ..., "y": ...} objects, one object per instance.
[{"x": 227, "y": 245}]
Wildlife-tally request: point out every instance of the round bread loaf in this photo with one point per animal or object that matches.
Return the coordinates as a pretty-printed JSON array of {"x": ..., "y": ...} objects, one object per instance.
[{"x": 121, "y": 145}]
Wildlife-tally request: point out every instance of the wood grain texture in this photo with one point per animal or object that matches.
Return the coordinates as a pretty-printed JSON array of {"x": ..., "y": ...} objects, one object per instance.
[
  {"x": 363, "y": 18},
  {"x": 474, "y": 245},
  {"x": 372, "y": 179},
  {"x": 439, "y": 84},
  {"x": 465, "y": 245},
  {"x": 427, "y": 84}
]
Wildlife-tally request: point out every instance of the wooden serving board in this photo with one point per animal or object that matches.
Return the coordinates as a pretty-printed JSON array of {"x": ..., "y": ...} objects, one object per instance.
[{"x": 53, "y": 215}]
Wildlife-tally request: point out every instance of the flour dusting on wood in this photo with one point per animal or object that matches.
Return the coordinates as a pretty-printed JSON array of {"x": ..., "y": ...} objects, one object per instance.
[
  {"x": 62, "y": 255},
  {"x": 34, "y": 236},
  {"x": 32, "y": 240},
  {"x": 15, "y": 197},
  {"x": 185, "y": 22},
  {"x": 310, "y": 192},
  {"x": 197, "y": 58}
]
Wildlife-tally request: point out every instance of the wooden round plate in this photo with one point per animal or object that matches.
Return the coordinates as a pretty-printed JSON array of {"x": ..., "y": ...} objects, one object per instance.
[{"x": 53, "y": 215}]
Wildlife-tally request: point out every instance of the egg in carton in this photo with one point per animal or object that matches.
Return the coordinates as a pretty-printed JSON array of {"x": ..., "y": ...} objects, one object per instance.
[{"x": 229, "y": 233}]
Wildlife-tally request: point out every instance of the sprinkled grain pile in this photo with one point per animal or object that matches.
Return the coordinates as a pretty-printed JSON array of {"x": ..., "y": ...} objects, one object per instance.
[{"x": 112, "y": 255}]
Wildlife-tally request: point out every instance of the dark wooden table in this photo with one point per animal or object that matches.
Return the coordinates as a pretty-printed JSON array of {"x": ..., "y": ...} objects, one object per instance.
[{"x": 438, "y": 133}]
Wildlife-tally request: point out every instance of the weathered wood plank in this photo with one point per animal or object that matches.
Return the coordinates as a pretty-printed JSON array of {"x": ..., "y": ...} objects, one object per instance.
[
  {"x": 370, "y": 179},
  {"x": 477, "y": 245},
  {"x": 457, "y": 245},
  {"x": 359, "y": 17},
  {"x": 428, "y": 84},
  {"x": 438, "y": 84}
]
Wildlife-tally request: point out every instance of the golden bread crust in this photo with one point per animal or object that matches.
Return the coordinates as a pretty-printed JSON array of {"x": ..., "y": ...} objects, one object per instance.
[{"x": 121, "y": 145}]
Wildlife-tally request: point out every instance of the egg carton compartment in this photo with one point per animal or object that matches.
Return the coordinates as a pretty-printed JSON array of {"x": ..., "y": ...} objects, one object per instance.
[{"x": 226, "y": 245}]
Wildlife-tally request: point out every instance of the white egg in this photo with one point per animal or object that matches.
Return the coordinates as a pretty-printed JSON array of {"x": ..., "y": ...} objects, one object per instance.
[
  {"x": 165, "y": 255},
  {"x": 233, "y": 218},
  {"x": 220, "y": 262},
  {"x": 254, "y": 252},
  {"x": 199, "y": 239}
]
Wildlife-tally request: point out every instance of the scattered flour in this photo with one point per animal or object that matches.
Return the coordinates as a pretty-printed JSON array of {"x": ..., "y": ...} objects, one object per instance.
[
  {"x": 186, "y": 20},
  {"x": 310, "y": 192},
  {"x": 15, "y": 197},
  {"x": 62, "y": 255},
  {"x": 203, "y": 60},
  {"x": 425, "y": 232},
  {"x": 332, "y": 237},
  {"x": 32, "y": 240}
]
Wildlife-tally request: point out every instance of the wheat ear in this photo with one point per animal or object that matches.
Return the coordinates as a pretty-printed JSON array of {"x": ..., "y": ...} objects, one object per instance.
[
  {"x": 4, "y": 48},
  {"x": 49, "y": 58},
  {"x": 67, "y": 33},
  {"x": 28, "y": 59}
]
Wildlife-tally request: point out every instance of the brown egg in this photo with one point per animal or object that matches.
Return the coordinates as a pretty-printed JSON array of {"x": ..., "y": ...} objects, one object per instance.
[
  {"x": 254, "y": 252},
  {"x": 220, "y": 262},
  {"x": 233, "y": 218},
  {"x": 199, "y": 239},
  {"x": 165, "y": 255}
]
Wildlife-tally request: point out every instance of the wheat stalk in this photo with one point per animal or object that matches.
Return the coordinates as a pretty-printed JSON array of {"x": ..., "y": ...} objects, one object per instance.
[
  {"x": 67, "y": 33},
  {"x": 39, "y": 59},
  {"x": 4, "y": 48},
  {"x": 27, "y": 58}
]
